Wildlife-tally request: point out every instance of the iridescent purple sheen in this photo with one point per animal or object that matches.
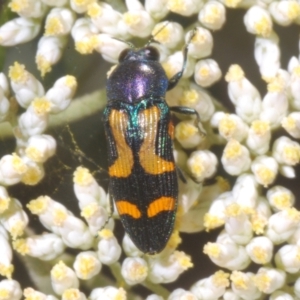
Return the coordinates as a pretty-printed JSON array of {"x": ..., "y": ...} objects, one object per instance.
[{"x": 135, "y": 80}]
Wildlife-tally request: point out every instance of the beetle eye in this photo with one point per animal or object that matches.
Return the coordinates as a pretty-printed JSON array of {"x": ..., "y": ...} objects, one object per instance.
[
  {"x": 123, "y": 54},
  {"x": 151, "y": 53}
]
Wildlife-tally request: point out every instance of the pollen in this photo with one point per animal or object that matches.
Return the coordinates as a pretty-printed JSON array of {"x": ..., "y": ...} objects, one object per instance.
[
  {"x": 296, "y": 71},
  {"x": 289, "y": 123},
  {"x": 131, "y": 19},
  {"x": 189, "y": 97},
  {"x": 260, "y": 127},
  {"x": 223, "y": 183},
  {"x": 6, "y": 271},
  {"x": 233, "y": 149},
  {"x": 232, "y": 3},
  {"x": 174, "y": 240},
  {"x": 86, "y": 266},
  {"x": 239, "y": 280},
  {"x": 18, "y": 5},
  {"x": 235, "y": 73},
  {"x": 70, "y": 81},
  {"x": 43, "y": 65},
  {"x": 39, "y": 205},
  {"x": 4, "y": 293},
  {"x": 169, "y": 69},
  {"x": 41, "y": 106},
  {"x": 185, "y": 130},
  {"x": 197, "y": 168},
  {"x": 59, "y": 271},
  {"x": 4, "y": 204},
  {"x": 291, "y": 154},
  {"x": 258, "y": 223},
  {"x": 293, "y": 10},
  {"x": 137, "y": 271},
  {"x": 293, "y": 214},
  {"x": 265, "y": 175},
  {"x": 18, "y": 165},
  {"x": 263, "y": 27},
  {"x": 213, "y": 14},
  {"x": 106, "y": 233},
  {"x": 32, "y": 176},
  {"x": 90, "y": 210},
  {"x": 60, "y": 216},
  {"x": 94, "y": 10},
  {"x": 220, "y": 279},
  {"x": 88, "y": 45},
  {"x": 260, "y": 254},
  {"x": 282, "y": 200},
  {"x": 262, "y": 281},
  {"x": 212, "y": 250},
  {"x": 161, "y": 33},
  {"x": 227, "y": 126},
  {"x": 34, "y": 154},
  {"x": 20, "y": 245},
  {"x": 54, "y": 26},
  {"x": 233, "y": 210},
  {"x": 276, "y": 85},
  {"x": 17, "y": 73},
  {"x": 82, "y": 176},
  {"x": 183, "y": 259},
  {"x": 17, "y": 229},
  {"x": 204, "y": 72},
  {"x": 212, "y": 221},
  {"x": 176, "y": 6},
  {"x": 83, "y": 2},
  {"x": 71, "y": 294}
]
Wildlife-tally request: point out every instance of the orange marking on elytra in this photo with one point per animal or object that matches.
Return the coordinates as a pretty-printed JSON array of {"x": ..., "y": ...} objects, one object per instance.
[
  {"x": 152, "y": 163},
  {"x": 159, "y": 205},
  {"x": 171, "y": 130},
  {"x": 126, "y": 208},
  {"x": 122, "y": 167}
]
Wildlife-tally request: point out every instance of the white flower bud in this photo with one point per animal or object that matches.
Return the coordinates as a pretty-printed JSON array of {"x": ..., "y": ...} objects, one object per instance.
[
  {"x": 288, "y": 258},
  {"x": 236, "y": 158},
  {"x": 18, "y": 31},
  {"x": 265, "y": 169},
  {"x": 134, "y": 270},
  {"x": 30, "y": 293},
  {"x": 258, "y": 21},
  {"x": 260, "y": 216},
  {"x": 243, "y": 285},
  {"x": 169, "y": 34},
  {"x": 129, "y": 247},
  {"x": 80, "y": 6},
  {"x": 227, "y": 254},
  {"x": 138, "y": 23},
  {"x": 280, "y": 198},
  {"x": 87, "y": 265},
  {"x": 59, "y": 22},
  {"x": 280, "y": 295},
  {"x": 282, "y": 225},
  {"x": 285, "y": 12},
  {"x": 202, "y": 164},
  {"x": 12, "y": 168},
  {"x": 197, "y": 98},
  {"x": 157, "y": 8},
  {"x": 207, "y": 72},
  {"x": 174, "y": 63},
  {"x": 268, "y": 280},
  {"x": 154, "y": 296},
  {"x": 108, "y": 293},
  {"x": 232, "y": 126},
  {"x": 188, "y": 135},
  {"x": 201, "y": 44},
  {"x": 182, "y": 294},
  {"x": 212, "y": 15},
  {"x": 294, "y": 88},
  {"x": 109, "y": 250},
  {"x": 61, "y": 94},
  {"x": 4, "y": 85},
  {"x": 185, "y": 7},
  {"x": 49, "y": 52},
  {"x": 243, "y": 94},
  {"x": 245, "y": 191},
  {"x": 11, "y": 289},
  {"x": 40, "y": 147},
  {"x": 73, "y": 294},
  {"x": 167, "y": 269},
  {"x": 229, "y": 294},
  {"x": 286, "y": 151},
  {"x": 25, "y": 86},
  {"x": 267, "y": 55},
  {"x": 6, "y": 266},
  {"x": 291, "y": 124},
  {"x": 62, "y": 278},
  {"x": 212, "y": 287},
  {"x": 237, "y": 224},
  {"x": 28, "y": 9},
  {"x": 260, "y": 250},
  {"x": 4, "y": 106},
  {"x": 46, "y": 246},
  {"x": 259, "y": 137}
]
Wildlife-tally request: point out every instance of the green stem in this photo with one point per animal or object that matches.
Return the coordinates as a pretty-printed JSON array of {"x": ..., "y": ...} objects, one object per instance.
[{"x": 157, "y": 289}]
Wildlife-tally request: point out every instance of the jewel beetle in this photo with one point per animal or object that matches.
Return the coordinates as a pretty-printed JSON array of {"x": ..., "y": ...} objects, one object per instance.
[{"x": 139, "y": 131}]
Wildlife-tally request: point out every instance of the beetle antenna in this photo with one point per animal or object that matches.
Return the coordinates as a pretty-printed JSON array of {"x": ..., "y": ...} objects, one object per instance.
[
  {"x": 156, "y": 33},
  {"x": 126, "y": 42}
]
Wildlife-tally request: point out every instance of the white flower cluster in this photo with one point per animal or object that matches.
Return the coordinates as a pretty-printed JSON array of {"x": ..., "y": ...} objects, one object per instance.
[{"x": 255, "y": 221}]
